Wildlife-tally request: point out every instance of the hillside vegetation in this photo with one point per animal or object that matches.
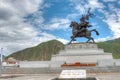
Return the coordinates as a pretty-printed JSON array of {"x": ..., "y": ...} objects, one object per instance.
[
  {"x": 40, "y": 52},
  {"x": 112, "y": 46},
  {"x": 45, "y": 50}
]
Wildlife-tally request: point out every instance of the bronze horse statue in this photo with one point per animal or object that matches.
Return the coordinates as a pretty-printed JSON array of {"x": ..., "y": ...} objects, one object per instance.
[{"x": 86, "y": 33}]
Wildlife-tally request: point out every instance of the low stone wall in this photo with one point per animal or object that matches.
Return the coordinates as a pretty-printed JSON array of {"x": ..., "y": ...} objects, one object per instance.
[
  {"x": 116, "y": 62},
  {"x": 40, "y": 64},
  {"x": 109, "y": 62},
  {"x": 34, "y": 64},
  {"x": 58, "y": 70},
  {"x": 57, "y": 64}
]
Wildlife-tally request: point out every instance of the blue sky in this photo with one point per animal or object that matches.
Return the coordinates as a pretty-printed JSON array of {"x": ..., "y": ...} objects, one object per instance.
[{"x": 26, "y": 23}]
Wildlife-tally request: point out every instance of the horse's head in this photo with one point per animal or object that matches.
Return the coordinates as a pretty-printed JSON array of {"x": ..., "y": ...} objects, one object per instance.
[{"x": 73, "y": 23}]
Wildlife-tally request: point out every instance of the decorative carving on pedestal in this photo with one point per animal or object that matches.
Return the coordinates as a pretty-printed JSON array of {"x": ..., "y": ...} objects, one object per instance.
[{"x": 81, "y": 46}]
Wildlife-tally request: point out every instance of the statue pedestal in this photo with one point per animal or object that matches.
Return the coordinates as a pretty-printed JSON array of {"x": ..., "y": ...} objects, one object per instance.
[{"x": 80, "y": 52}]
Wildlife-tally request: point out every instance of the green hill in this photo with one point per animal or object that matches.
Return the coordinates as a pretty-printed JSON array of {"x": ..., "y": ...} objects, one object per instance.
[
  {"x": 44, "y": 50},
  {"x": 112, "y": 46},
  {"x": 41, "y": 52}
]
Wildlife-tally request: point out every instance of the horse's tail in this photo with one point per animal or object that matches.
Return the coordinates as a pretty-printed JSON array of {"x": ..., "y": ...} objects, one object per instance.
[{"x": 97, "y": 33}]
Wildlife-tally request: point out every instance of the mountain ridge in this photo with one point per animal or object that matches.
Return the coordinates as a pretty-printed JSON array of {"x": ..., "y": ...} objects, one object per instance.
[
  {"x": 41, "y": 52},
  {"x": 45, "y": 50}
]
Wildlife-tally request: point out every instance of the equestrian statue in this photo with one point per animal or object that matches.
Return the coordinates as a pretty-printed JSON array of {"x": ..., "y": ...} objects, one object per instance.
[{"x": 81, "y": 29}]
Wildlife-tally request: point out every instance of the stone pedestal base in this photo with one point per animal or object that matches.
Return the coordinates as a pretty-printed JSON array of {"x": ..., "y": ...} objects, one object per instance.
[{"x": 81, "y": 52}]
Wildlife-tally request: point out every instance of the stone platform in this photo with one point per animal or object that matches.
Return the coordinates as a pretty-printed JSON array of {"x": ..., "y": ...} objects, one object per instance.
[
  {"x": 88, "y": 78},
  {"x": 80, "y": 52}
]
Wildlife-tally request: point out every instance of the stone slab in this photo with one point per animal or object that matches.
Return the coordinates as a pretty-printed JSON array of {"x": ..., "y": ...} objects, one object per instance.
[
  {"x": 88, "y": 78},
  {"x": 34, "y": 64},
  {"x": 67, "y": 74},
  {"x": 81, "y": 51},
  {"x": 116, "y": 62},
  {"x": 81, "y": 46},
  {"x": 56, "y": 64},
  {"x": 105, "y": 63},
  {"x": 109, "y": 62},
  {"x": 81, "y": 58}
]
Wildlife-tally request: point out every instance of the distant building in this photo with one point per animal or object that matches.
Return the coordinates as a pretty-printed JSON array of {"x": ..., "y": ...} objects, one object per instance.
[{"x": 10, "y": 62}]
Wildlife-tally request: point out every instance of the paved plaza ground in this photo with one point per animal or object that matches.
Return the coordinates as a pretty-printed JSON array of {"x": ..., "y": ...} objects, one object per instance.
[{"x": 100, "y": 76}]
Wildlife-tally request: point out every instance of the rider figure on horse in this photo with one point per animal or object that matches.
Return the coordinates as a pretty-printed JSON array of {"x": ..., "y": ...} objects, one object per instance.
[
  {"x": 84, "y": 24},
  {"x": 81, "y": 29}
]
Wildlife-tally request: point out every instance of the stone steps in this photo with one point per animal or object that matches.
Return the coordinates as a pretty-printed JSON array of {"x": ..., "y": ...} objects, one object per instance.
[{"x": 81, "y": 52}]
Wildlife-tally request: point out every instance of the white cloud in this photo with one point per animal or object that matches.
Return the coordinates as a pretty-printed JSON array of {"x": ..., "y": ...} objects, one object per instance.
[
  {"x": 73, "y": 15},
  {"x": 114, "y": 26},
  {"x": 112, "y": 18},
  {"x": 46, "y": 37},
  {"x": 118, "y": 2},
  {"x": 57, "y": 23},
  {"x": 82, "y": 5},
  {"x": 15, "y": 34},
  {"x": 23, "y": 7},
  {"x": 109, "y": 0},
  {"x": 104, "y": 39},
  {"x": 79, "y": 5},
  {"x": 63, "y": 40},
  {"x": 95, "y": 4}
]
